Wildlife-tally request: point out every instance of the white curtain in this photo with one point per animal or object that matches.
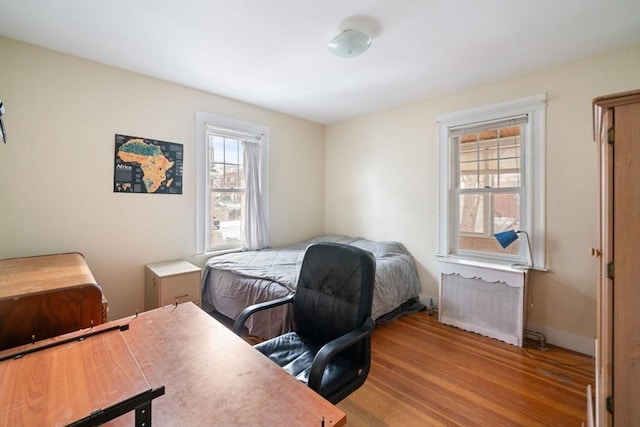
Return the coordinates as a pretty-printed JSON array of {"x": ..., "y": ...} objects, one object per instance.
[{"x": 254, "y": 227}]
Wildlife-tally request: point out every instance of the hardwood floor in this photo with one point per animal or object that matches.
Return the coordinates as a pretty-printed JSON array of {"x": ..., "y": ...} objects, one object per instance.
[
  {"x": 428, "y": 374},
  {"x": 425, "y": 373}
]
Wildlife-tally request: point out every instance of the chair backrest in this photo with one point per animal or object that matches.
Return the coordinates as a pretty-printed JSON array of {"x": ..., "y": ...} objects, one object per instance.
[{"x": 334, "y": 292}]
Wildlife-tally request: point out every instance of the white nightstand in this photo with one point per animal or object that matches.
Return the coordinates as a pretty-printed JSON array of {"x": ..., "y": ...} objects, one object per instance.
[{"x": 170, "y": 282}]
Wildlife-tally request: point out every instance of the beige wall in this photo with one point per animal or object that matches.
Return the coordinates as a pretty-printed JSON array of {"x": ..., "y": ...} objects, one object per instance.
[
  {"x": 56, "y": 171},
  {"x": 374, "y": 176},
  {"x": 382, "y": 174}
]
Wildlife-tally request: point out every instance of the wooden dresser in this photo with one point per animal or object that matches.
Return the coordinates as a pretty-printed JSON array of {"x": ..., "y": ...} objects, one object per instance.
[{"x": 45, "y": 296}]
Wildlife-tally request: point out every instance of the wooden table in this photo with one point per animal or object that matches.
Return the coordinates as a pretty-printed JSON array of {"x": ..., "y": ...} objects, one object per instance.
[{"x": 211, "y": 376}]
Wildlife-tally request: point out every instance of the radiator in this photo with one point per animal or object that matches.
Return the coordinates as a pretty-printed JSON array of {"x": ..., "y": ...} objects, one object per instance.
[{"x": 483, "y": 298}]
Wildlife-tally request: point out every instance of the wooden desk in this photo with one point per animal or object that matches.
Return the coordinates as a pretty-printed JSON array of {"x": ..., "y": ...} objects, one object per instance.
[
  {"x": 71, "y": 381},
  {"x": 45, "y": 296},
  {"x": 212, "y": 377}
]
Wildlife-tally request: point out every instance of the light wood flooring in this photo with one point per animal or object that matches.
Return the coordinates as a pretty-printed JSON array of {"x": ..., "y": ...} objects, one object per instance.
[{"x": 425, "y": 373}]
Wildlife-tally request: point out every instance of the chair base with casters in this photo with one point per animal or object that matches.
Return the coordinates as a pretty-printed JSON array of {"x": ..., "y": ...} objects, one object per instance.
[{"x": 329, "y": 348}]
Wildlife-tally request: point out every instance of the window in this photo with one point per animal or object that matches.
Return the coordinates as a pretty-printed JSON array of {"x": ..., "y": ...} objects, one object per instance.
[
  {"x": 226, "y": 188},
  {"x": 492, "y": 180},
  {"x": 231, "y": 165}
]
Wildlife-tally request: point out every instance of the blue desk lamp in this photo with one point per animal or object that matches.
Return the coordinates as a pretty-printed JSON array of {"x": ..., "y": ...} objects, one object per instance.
[{"x": 506, "y": 238}]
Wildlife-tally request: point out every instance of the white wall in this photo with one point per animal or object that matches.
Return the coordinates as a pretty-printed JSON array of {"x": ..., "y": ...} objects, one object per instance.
[
  {"x": 56, "y": 171},
  {"x": 381, "y": 182}
]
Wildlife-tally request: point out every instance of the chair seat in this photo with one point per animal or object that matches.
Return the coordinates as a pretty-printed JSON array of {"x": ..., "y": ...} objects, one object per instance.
[{"x": 295, "y": 355}]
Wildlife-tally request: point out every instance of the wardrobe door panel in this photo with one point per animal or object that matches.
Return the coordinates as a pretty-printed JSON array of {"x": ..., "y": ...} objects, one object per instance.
[{"x": 626, "y": 281}]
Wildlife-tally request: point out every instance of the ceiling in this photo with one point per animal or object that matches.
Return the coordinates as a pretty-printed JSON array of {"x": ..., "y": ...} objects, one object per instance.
[{"x": 273, "y": 53}]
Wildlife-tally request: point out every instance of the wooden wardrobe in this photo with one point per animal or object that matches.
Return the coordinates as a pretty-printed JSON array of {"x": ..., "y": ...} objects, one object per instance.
[{"x": 617, "y": 131}]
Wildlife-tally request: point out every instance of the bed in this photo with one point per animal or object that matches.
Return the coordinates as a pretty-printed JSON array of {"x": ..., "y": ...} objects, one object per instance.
[{"x": 232, "y": 282}]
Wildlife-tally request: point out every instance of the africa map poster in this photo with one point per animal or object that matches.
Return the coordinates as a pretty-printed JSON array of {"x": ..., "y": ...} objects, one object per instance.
[{"x": 147, "y": 166}]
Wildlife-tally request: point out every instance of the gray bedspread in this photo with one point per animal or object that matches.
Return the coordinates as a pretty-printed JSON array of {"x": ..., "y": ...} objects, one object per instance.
[{"x": 396, "y": 276}]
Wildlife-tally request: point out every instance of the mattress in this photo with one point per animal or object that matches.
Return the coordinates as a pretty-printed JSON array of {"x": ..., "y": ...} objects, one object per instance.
[{"x": 234, "y": 281}]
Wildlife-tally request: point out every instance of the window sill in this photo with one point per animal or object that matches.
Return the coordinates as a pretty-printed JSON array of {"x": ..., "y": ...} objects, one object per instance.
[{"x": 216, "y": 253}]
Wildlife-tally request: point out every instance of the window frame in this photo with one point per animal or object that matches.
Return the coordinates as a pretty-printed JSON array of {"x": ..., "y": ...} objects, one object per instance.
[
  {"x": 233, "y": 128},
  {"x": 532, "y": 203},
  {"x": 488, "y": 193}
]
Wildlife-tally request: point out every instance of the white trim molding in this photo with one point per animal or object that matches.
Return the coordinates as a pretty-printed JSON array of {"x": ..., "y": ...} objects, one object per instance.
[
  {"x": 202, "y": 194},
  {"x": 533, "y": 205},
  {"x": 569, "y": 340}
]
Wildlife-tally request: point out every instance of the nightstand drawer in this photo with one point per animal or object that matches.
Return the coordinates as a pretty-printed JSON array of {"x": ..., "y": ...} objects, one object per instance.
[
  {"x": 170, "y": 282},
  {"x": 181, "y": 288}
]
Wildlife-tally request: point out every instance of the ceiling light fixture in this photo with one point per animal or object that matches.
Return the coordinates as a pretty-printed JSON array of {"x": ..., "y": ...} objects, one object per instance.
[{"x": 349, "y": 43}]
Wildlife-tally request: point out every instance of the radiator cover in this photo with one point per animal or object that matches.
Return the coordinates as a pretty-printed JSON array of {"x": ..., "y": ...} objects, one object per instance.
[{"x": 484, "y": 298}]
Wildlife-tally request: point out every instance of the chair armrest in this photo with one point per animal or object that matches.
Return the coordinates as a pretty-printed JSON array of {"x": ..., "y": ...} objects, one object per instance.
[
  {"x": 252, "y": 309},
  {"x": 330, "y": 349}
]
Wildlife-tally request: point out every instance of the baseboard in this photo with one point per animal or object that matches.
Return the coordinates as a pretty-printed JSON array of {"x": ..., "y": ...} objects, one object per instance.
[{"x": 564, "y": 339}]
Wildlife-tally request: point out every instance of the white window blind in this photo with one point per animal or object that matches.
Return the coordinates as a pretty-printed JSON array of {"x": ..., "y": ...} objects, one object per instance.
[{"x": 487, "y": 125}]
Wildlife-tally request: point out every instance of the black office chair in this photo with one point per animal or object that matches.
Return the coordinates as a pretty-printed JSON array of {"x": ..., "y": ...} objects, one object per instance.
[{"x": 329, "y": 348}]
